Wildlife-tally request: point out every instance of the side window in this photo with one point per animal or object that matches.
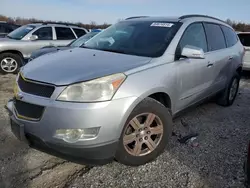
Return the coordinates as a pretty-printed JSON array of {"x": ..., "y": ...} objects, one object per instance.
[
  {"x": 2, "y": 28},
  {"x": 215, "y": 37},
  {"x": 64, "y": 33},
  {"x": 44, "y": 33},
  {"x": 79, "y": 32},
  {"x": 194, "y": 36},
  {"x": 245, "y": 39},
  {"x": 230, "y": 35}
]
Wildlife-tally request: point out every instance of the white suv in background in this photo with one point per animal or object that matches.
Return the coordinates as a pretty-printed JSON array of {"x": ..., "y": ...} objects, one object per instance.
[
  {"x": 245, "y": 40},
  {"x": 18, "y": 45}
]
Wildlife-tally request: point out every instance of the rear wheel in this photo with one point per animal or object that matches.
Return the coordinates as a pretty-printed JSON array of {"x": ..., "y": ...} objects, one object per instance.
[
  {"x": 10, "y": 63},
  {"x": 227, "y": 97},
  {"x": 145, "y": 134}
]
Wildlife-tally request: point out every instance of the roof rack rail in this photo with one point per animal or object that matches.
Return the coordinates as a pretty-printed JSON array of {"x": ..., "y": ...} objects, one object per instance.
[
  {"x": 200, "y": 15},
  {"x": 58, "y": 23},
  {"x": 129, "y": 18}
]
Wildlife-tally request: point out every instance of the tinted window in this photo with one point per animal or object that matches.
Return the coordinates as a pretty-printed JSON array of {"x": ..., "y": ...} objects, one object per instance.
[
  {"x": 80, "y": 41},
  {"x": 21, "y": 32},
  {"x": 230, "y": 35},
  {"x": 79, "y": 32},
  {"x": 2, "y": 28},
  {"x": 64, "y": 33},
  {"x": 5, "y": 28},
  {"x": 245, "y": 39},
  {"x": 215, "y": 37},
  {"x": 145, "y": 38},
  {"x": 194, "y": 36},
  {"x": 44, "y": 33}
]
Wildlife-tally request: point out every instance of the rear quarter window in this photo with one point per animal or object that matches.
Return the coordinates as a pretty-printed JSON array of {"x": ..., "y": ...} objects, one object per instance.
[
  {"x": 79, "y": 32},
  {"x": 245, "y": 39},
  {"x": 64, "y": 33},
  {"x": 215, "y": 37},
  {"x": 230, "y": 35}
]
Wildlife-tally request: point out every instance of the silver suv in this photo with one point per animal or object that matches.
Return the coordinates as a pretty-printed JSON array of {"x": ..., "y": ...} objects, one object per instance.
[
  {"x": 115, "y": 97},
  {"x": 17, "y": 47}
]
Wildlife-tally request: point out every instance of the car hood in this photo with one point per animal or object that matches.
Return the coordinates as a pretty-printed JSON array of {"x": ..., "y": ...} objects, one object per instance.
[
  {"x": 79, "y": 64},
  {"x": 47, "y": 50},
  {"x": 7, "y": 40}
]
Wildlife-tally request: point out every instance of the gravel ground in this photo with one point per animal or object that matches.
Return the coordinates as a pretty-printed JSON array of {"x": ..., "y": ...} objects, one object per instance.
[{"x": 214, "y": 159}]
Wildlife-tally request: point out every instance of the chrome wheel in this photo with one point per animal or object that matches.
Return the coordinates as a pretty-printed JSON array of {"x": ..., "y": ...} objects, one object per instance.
[
  {"x": 143, "y": 134},
  {"x": 9, "y": 65},
  {"x": 233, "y": 89}
]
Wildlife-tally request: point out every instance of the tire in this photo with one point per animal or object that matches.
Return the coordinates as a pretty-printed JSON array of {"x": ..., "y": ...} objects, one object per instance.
[
  {"x": 224, "y": 98},
  {"x": 162, "y": 121},
  {"x": 14, "y": 59}
]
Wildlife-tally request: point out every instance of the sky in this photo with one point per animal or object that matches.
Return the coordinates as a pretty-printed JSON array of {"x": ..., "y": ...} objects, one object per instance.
[{"x": 110, "y": 11}]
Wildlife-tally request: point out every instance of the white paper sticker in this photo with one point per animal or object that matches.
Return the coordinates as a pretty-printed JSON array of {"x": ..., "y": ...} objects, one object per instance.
[
  {"x": 29, "y": 28},
  {"x": 158, "y": 24}
]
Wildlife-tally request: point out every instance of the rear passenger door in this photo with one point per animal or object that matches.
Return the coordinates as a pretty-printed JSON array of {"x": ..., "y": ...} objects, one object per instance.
[
  {"x": 195, "y": 78},
  {"x": 218, "y": 55},
  {"x": 64, "y": 35}
]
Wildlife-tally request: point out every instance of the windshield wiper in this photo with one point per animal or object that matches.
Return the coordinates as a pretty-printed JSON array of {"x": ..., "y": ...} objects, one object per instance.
[
  {"x": 113, "y": 50},
  {"x": 9, "y": 37},
  {"x": 82, "y": 46}
]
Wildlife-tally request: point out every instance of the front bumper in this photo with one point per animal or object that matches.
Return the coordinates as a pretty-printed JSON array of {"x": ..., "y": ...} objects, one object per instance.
[{"x": 110, "y": 116}]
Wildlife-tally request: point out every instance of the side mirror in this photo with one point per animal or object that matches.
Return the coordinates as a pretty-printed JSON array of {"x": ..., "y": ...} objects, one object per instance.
[
  {"x": 33, "y": 37},
  {"x": 193, "y": 52}
]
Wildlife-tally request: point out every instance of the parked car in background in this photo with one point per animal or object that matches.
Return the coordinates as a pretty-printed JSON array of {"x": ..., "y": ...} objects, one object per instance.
[
  {"x": 115, "y": 96},
  {"x": 75, "y": 43},
  {"x": 17, "y": 47},
  {"x": 245, "y": 40},
  {"x": 6, "y": 28}
]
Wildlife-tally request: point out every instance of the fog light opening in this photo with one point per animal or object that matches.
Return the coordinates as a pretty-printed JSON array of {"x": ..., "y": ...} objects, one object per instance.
[{"x": 76, "y": 135}]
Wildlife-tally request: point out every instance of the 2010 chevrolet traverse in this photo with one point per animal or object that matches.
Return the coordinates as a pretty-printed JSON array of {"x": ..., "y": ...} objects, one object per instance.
[{"x": 115, "y": 97}]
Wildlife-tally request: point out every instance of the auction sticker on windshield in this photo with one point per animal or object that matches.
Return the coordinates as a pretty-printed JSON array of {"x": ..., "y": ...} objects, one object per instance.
[{"x": 158, "y": 24}]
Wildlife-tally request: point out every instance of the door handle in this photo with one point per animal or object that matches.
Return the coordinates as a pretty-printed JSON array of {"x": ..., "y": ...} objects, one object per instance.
[{"x": 209, "y": 64}]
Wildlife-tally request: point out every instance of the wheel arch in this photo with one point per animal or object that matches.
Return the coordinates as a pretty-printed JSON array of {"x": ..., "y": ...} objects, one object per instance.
[
  {"x": 13, "y": 52},
  {"x": 158, "y": 94},
  {"x": 239, "y": 70}
]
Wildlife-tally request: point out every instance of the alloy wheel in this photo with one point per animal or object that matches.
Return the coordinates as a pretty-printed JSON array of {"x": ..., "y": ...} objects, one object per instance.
[
  {"x": 143, "y": 134},
  {"x": 9, "y": 65}
]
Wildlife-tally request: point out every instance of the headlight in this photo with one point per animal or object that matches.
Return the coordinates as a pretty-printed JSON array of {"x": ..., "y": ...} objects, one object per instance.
[{"x": 101, "y": 89}]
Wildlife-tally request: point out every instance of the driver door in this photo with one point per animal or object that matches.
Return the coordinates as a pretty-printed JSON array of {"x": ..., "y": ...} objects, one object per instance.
[{"x": 45, "y": 38}]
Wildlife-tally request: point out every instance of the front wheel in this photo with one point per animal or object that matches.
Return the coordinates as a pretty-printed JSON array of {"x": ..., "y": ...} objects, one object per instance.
[
  {"x": 145, "y": 134},
  {"x": 10, "y": 63},
  {"x": 227, "y": 97}
]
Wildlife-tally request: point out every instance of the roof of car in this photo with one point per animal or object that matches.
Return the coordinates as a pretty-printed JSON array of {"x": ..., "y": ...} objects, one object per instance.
[
  {"x": 57, "y": 24},
  {"x": 149, "y": 18},
  {"x": 175, "y": 19}
]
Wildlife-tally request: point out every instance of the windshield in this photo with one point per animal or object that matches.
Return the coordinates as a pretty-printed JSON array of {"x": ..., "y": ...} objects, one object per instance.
[
  {"x": 145, "y": 38},
  {"x": 21, "y": 32},
  {"x": 80, "y": 41}
]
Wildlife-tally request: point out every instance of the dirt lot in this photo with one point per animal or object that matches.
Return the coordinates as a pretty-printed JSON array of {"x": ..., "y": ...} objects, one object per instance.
[{"x": 216, "y": 162}]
